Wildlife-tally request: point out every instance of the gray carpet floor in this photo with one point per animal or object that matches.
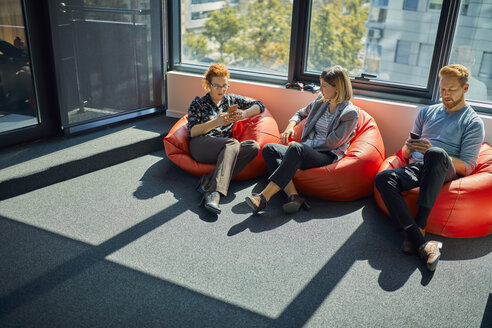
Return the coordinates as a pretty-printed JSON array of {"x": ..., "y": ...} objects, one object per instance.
[{"x": 128, "y": 246}]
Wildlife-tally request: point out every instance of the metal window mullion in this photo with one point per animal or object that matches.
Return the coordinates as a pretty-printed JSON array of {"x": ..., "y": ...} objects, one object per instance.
[
  {"x": 443, "y": 44},
  {"x": 174, "y": 13}
]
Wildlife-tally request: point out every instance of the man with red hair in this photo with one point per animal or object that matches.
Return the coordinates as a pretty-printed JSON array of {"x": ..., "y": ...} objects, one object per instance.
[{"x": 444, "y": 144}]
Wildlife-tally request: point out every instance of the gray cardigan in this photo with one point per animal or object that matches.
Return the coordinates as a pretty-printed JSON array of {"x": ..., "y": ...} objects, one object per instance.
[{"x": 340, "y": 131}]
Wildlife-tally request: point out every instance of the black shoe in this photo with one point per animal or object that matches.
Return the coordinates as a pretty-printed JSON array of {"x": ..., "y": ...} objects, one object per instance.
[
  {"x": 407, "y": 246},
  {"x": 251, "y": 203},
  {"x": 211, "y": 200},
  {"x": 294, "y": 204}
]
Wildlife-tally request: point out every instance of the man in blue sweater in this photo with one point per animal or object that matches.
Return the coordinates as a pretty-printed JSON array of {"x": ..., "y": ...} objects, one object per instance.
[{"x": 444, "y": 145}]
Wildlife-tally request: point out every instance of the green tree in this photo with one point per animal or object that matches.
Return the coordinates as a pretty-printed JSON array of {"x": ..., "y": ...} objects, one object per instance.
[
  {"x": 264, "y": 39},
  {"x": 222, "y": 27},
  {"x": 195, "y": 46},
  {"x": 337, "y": 30}
]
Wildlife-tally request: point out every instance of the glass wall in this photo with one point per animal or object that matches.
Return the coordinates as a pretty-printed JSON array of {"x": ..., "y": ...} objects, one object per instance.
[
  {"x": 403, "y": 43},
  {"x": 18, "y": 108},
  {"x": 243, "y": 34},
  {"x": 108, "y": 57},
  {"x": 337, "y": 33},
  {"x": 472, "y": 47},
  {"x": 406, "y": 36}
]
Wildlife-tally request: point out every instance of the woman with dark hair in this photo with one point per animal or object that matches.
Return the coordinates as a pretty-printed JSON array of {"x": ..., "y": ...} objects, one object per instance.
[
  {"x": 331, "y": 120},
  {"x": 210, "y": 122}
]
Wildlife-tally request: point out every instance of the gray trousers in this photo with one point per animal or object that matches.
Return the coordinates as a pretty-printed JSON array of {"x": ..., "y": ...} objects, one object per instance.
[
  {"x": 436, "y": 169},
  {"x": 229, "y": 155}
]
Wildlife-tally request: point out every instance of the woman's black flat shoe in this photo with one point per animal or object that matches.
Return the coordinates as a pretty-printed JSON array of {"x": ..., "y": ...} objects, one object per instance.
[
  {"x": 294, "y": 204},
  {"x": 252, "y": 204}
]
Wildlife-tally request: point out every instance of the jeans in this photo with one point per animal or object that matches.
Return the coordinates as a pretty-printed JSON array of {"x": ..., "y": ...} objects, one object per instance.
[
  {"x": 436, "y": 169},
  {"x": 283, "y": 161}
]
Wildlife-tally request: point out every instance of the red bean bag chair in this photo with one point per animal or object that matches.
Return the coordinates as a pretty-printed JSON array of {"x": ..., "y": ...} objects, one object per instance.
[
  {"x": 463, "y": 208},
  {"x": 262, "y": 128},
  {"x": 351, "y": 177}
]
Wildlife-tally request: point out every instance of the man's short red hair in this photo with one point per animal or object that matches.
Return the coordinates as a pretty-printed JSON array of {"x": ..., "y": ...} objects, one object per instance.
[
  {"x": 216, "y": 69},
  {"x": 456, "y": 70}
]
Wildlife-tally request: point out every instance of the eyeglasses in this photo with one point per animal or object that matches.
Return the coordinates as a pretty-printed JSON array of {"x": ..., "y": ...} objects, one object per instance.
[{"x": 217, "y": 87}]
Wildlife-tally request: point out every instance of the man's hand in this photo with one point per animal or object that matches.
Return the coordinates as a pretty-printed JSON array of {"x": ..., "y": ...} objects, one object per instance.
[
  {"x": 418, "y": 145},
  {"x": 288, "y": 133}
]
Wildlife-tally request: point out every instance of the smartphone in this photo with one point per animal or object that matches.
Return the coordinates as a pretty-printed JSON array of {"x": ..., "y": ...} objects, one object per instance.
[
  {"x": 232, "y": 108},
  {"x": 414, "y": 135}
]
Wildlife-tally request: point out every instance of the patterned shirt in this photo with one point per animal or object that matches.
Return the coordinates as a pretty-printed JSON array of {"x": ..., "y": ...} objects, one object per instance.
[
  {"x": 204, "y": 109},
  {"x": 321, "y": 129}
]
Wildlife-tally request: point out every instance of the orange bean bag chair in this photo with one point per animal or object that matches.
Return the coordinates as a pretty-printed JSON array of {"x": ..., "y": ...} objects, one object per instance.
[
  {"x": 463, "y": 208},
  {"x": 351, "y": 177},
  {"x": 262, "y": 128}
]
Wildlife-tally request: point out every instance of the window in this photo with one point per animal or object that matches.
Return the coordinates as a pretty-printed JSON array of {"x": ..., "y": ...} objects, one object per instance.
[
  {"x": 402, "y": 54},
  {"x": 244, "y": 35},
  {"x": 106, "y": 58},
  {"x": 18, "y": 107},
  {"x": 473, "y": 49},
  {"x": 336, "y": 33},
  {"x": 425, "y": 54},
  {"x": 464, "y": 7},
  {"x": 204, "y": 1},
  {"x": 379, "y": 3},
  {"x": 377, "y": 14},
  {"x": 200, "y": 15},
  {"x": 394, "y": 42},
  {"x": 372, "y": 59},
  {"x": 410, "y": 4},
  {"x": 435, "y": 4},
  {"x": 486, "y": 67}
]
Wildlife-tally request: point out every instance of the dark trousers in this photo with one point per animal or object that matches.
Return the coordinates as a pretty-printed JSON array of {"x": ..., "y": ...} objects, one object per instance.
[
  {"x": 436, "y": 169},
  {"x": 229, "y": 155},
  {"x": 283, "y": 161}
]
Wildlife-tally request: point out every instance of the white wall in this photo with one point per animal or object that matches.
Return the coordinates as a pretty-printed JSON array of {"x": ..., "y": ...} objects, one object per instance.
[{"x": 394, "y": 119}]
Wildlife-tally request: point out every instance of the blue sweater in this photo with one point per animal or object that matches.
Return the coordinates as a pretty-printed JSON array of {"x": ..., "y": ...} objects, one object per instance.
[{"x": 460, "y": 133}]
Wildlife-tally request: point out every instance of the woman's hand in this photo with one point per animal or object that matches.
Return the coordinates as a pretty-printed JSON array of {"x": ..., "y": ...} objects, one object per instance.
[
  {"x": 418, "y": 145},
  {"x": 223, "y": 119},
  {"x": 238, "y": 115},
  {"x": 288, "y": 133}
]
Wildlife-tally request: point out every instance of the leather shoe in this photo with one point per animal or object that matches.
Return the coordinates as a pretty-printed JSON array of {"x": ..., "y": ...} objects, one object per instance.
[
  {"x": 212, "y": 202},
  {"x": 294, "y": 203},
  {"x": 407, "y": 246},
  {"x": 251, "y": 201},
  {"x": 430, "y": 253}
]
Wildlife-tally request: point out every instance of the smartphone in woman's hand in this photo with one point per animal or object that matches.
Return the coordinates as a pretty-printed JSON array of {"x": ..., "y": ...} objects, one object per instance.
[
  {"x": 232, "y": 108},
  {"x": 414, "y": 135}
]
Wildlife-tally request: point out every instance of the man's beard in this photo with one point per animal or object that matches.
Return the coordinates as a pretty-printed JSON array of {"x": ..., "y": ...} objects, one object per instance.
[{"x": 453, "y": 103}]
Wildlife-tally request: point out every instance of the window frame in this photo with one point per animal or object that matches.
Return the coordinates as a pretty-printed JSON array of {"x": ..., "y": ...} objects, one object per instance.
[{"x": 301, "y": 11}]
